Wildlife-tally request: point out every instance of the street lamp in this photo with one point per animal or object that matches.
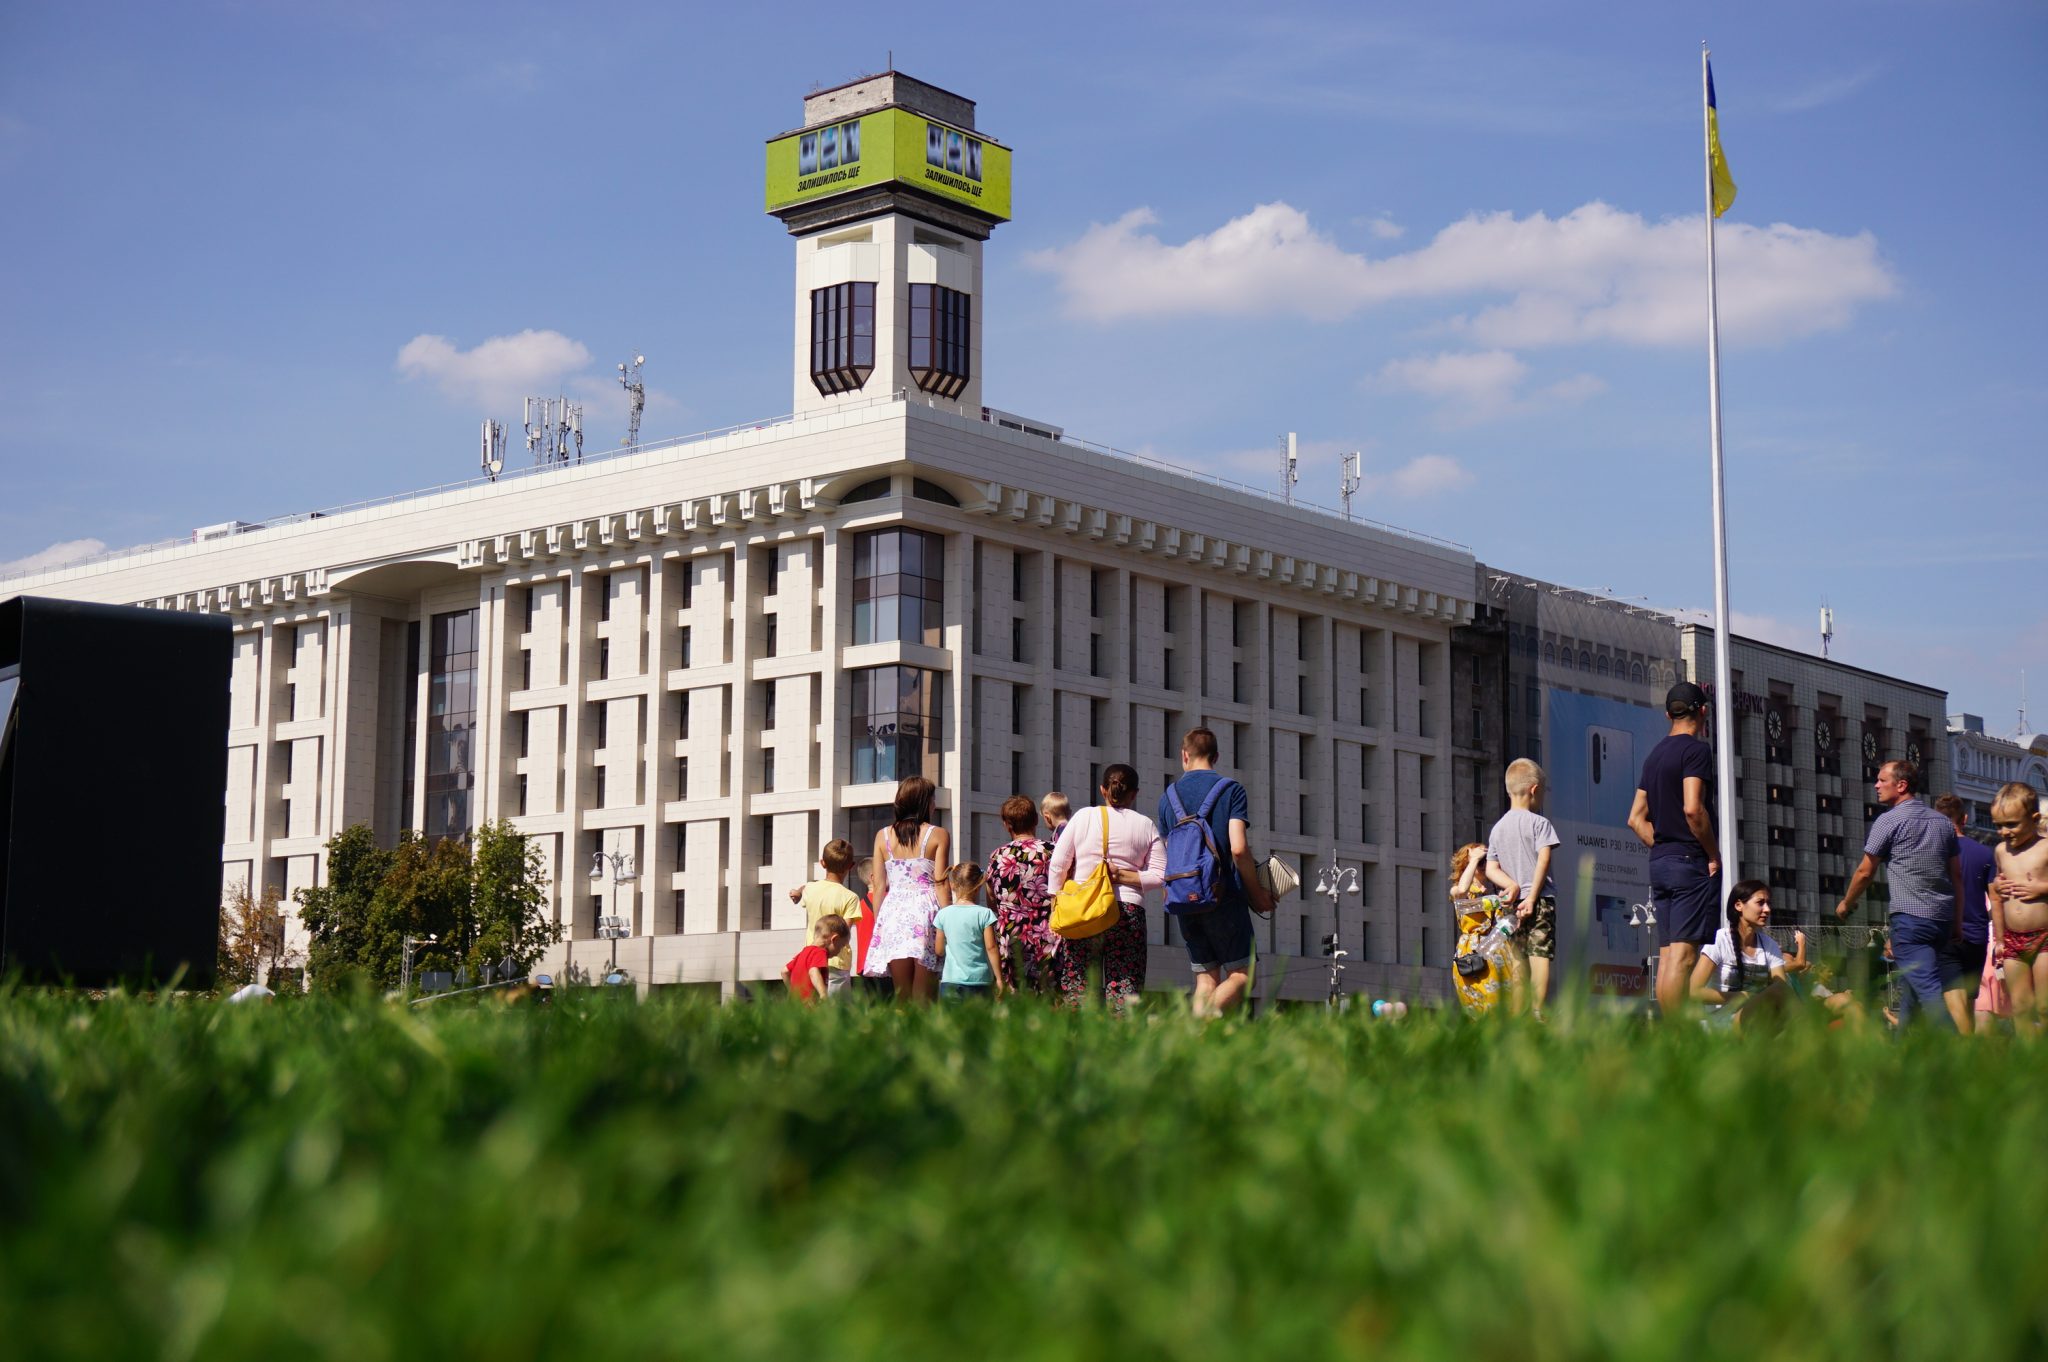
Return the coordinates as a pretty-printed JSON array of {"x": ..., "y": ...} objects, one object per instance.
[
  {"x": 613, "y": 926},
  {"x": 412, "y": 943},
  {"x": 1336, "y": 880}
]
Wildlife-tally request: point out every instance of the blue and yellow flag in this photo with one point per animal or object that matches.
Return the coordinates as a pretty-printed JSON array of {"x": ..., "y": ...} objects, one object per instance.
[{"x": 1724, "y": 183}]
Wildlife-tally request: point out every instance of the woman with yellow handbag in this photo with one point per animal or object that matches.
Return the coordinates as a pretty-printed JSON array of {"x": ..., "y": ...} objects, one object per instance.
[{"x": 1105, "y": 860}]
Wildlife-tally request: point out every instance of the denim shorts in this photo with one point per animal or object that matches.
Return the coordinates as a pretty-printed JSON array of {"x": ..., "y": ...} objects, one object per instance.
[
  {"x": 955, "y": 993},
  {"x": 1686, "y": 897},
  {"x": 1218, "y": 939}
]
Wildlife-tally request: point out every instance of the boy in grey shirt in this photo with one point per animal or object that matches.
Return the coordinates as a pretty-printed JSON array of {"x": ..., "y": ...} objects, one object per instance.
[{"x": 1518, "y": 861}]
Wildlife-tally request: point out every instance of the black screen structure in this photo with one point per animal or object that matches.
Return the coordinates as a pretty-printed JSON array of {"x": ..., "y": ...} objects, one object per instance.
[{"x": 113, "y": 779}]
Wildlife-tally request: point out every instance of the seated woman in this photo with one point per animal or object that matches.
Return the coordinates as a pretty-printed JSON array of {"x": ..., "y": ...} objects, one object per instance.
[{"x": 1743, "y": 972}]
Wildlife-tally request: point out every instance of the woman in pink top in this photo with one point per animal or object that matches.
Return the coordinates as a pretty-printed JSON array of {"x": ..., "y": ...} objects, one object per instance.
[{"x": 1137, "y": 862}]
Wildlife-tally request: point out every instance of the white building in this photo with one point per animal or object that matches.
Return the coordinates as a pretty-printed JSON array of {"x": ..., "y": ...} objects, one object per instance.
[
  {"x": 1980, "y": 762},
  {"x": 713, "y": 654}
]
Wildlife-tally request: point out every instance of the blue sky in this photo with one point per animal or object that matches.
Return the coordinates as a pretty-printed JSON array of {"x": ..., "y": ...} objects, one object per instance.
[{"x": 1463, "y": 239}]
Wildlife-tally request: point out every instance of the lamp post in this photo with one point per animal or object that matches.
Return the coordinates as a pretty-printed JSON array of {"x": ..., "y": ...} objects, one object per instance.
[
  {"x": 612, "y": 926},
  {"x": 1336, "y": 880},
  {"x": 412, "y": 943}
]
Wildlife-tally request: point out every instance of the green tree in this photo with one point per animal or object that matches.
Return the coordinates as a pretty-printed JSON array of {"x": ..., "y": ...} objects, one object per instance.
[
  {"x": 425, "y": 892},
  {"x": 252, "y": 937},
  {"x": 508, "y": 900},
  {"x": 338, "y": 913}
]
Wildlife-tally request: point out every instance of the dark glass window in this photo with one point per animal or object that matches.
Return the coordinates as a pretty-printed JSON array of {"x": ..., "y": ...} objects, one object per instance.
[
  {"x": 451, "y": 723},
  {"x": 924, "y": 490},
  {"x": 842, "y": 337},
  {"x": 894, "y": 729},
  {"x": 872, "y": 490},
  {"x": 899, "y": 586},
  {"x": 940, "y": 321}
]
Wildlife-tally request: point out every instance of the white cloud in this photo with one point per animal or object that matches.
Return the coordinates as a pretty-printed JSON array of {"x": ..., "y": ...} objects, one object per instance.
[
  {"x": 57, "y": 555},
  {"x": 1426, "y": 475},
  {"x": 498, "y": 372},
  {"x": 1383, "y": 227},
  {"x": 1480, "y": 379},
  {"x": 1479, "y": 385},
  {"x": 1594, "y": 274}
]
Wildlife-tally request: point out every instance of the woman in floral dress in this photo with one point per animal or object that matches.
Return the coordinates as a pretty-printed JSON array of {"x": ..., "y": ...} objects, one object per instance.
[
  {"x": 1016, "y": 890},
  {"x": 914, "y": 855}
]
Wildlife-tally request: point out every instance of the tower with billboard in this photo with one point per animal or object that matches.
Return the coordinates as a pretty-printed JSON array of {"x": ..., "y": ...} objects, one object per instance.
[{"x": 890, "y": 192}]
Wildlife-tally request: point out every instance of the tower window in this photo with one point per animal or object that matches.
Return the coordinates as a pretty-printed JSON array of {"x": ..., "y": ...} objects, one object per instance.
[
  {"x": 939, "y": 325},
  {"x": 842, "y": 337}
]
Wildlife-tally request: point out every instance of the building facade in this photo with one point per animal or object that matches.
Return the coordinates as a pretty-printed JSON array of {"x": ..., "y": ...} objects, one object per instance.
[
  {"x": 1812, "y": 733},
  {"x": 1980, "y": 762},
  {"x": 711, "y": 655}
]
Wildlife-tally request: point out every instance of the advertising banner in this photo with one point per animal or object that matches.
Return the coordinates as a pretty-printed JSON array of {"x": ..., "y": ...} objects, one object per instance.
[
  {"x": 1596, "y": 751},
  {"x": 890, "y": 146}
]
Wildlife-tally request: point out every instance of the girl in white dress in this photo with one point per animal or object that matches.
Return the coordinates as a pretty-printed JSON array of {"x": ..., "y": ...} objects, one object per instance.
[{"x": 914, "y": 855}]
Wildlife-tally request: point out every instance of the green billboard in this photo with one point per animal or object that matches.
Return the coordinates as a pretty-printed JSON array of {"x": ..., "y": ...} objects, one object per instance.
[{"x": 890, "y": 145}]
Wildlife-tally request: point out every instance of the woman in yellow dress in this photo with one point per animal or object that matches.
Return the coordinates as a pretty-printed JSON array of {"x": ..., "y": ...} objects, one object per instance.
[{"x": 1487, "y": 965}]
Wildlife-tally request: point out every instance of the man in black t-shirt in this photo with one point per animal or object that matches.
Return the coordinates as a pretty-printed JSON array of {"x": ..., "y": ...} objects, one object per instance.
[{"x": 1673, "y": 814}]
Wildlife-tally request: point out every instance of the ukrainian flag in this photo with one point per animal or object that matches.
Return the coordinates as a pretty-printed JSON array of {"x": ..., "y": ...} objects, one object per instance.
[{"x": 1724, "y": 183}]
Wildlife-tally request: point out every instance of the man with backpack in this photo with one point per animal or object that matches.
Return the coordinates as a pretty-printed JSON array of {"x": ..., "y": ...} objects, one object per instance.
[{"x": 1212, "y": 884}]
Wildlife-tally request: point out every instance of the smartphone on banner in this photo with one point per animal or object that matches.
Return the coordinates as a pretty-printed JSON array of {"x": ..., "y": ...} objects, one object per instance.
[{"x": 1610, "y": 774}]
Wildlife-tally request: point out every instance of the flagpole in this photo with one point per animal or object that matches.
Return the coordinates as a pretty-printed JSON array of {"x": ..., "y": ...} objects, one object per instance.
[{"x": 1725, "y": 736}]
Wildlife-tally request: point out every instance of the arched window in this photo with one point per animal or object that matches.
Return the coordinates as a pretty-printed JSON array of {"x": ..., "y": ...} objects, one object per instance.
[
  {"x": 1550, "y": 652},
  {"x": 1635, "y": 671},
  {"x": 1600, "y": 665},
  {"x": 931, "y": 491},
  {"x": 1565, "y": 659},
  {"x": 867, "y": 491},
  {"x": 1585, "y": 660}
]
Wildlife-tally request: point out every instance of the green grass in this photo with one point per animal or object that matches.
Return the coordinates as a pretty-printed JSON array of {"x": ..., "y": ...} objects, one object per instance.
[{"x": 347, "y": 1180}]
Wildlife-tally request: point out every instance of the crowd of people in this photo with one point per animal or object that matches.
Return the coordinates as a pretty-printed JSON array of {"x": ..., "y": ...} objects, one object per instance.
[
  {"x": 1966, "y": 941},
  {"x": 923, "y": 930}
]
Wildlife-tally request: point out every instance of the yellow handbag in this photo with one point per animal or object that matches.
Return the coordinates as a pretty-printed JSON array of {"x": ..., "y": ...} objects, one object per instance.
[{"x": 1085, "y": 908}]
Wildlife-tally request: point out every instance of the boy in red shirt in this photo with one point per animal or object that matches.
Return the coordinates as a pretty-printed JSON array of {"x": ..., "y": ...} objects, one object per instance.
[{"x": 806, "y": 973}]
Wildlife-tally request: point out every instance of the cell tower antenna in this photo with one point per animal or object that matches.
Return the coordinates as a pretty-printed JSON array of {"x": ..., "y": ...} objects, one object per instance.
[
  {"x": 493, "y": 449},
  {"x": 1350, "y": 481},
  {"x": 636, "y": 394},
  {"x": 2023, "y": 704},
  {"x": 1290, "y": 468},
  {"x": 552, "y": 425},
  {"x": 1827, "y": 627}
]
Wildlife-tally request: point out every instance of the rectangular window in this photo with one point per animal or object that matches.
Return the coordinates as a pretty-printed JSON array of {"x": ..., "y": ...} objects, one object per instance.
[
  {"x": 522, "y": 794},
  {"x": 1095, "y": 594},
  {"x": 689, "y": 585},
  {"x": 764, "y": 837},
  {"x": 771, "y": 635},
  {"x": 1095, "y": 655},
  {"x": 1017, "y": 694},
  {"x": 1016, "y": 773},
  {"x": 682, "y": 777},
  {"x": 526, "y": 669},
  {"x": 1016, "y": 576},
  {"x": 682, "y": 714},
  {"x": 604, "y": 659},
  {"x": 527, "y": 625},
  {"x": 604, "y": 600},
  {"x": 525, "y": 732},
  {"x": 893, "y": 730},
  {"x": 940, "y": 330},
  {"x": 899, "y": 588},
  {"x": 1096, "y": 709},
  {"x": 1016, "y": 640},
  {"x": 450, "y": 723},
  {"x": 842, "y": 337},
  {"x": 768, "y": 690},
  {"x": 1170, "y": 673},
  {"x": 603, "y": 725},
  {"x": 767, "y": 770}
]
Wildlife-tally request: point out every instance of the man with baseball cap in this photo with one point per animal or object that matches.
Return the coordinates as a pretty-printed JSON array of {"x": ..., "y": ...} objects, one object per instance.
[{"x": 1674, "y": 815}]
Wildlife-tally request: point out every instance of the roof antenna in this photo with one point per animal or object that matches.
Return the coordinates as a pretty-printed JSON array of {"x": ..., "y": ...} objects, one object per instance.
[
  {"x": 1827, "y": 627},
  {"x": 1290, "y": 464}
]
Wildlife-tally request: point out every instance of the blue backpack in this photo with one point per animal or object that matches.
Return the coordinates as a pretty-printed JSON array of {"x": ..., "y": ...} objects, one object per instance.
[{"x": 1197, "y": 871}]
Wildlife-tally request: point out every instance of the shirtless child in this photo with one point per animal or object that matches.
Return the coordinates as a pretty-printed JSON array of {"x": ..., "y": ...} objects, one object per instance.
[{"x": 2019, "y": 904}]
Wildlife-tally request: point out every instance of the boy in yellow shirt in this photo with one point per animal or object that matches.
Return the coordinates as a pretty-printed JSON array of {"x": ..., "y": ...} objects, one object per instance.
[{"x": 829, "y": 896}]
